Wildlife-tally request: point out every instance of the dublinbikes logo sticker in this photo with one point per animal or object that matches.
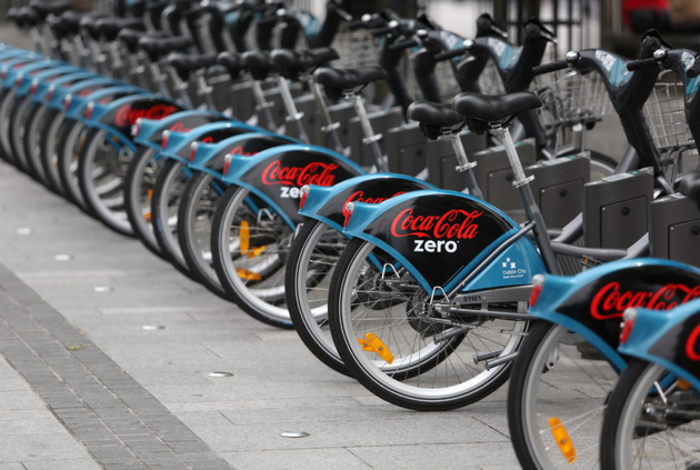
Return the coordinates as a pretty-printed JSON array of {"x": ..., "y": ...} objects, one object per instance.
[
  {"x": 292, "y": 178},
  {"x": 611, "y": 301},
  {"x": 444, "y": 232},
  {"x": 511, "y": 270}
]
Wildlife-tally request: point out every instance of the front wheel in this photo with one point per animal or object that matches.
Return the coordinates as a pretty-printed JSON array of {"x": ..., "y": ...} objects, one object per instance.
[
  {"x": 250, "y": 247},
  {"x": 554, "y": 388},
  {"x": 403, "y": 351},
  {"x": 651, "y": 421}
]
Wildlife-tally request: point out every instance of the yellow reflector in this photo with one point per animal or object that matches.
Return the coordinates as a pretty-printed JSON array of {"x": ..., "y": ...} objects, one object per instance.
[
  {"x": 562, "y": 439},
  {"x": 684, "y": 384},
  {"x": 248, "y": 275},
  {"x": 244, "y": 237},
  {"x": 255, "y": 251},
  {"x": 147, "y": 215},
  {"x": 373, "y": 344},
  {"x": 150, "y": 195}
]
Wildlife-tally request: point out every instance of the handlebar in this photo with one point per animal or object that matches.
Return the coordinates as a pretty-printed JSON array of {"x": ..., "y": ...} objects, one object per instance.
[
  {"x": 450, "y": 54},
  {"x": 694, "y": 71},
  {"x": 550, "y": 67},
  {"x": 382, "y": 31},
  {"x": 405, "y": 44},
  {"x": 633, "y": 65}
]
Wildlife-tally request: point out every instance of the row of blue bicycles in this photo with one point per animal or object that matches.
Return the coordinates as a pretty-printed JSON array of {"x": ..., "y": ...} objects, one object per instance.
[{"x": 221, "y": 136}]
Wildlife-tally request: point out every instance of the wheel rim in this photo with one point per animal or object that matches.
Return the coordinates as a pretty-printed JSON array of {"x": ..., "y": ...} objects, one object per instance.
[
  {"x": 49, "y": 155},
  {"x": 574, "y": 391},
  {"x": 198, "y": 223},
  {"x": 434, "y": 371},
  {"x": 673, "y": 446},
  {"x": 140, "y": 194},
  {"x": 168, "y": 204},
  {"x": 267, "y": 294},
  {"x": 312, "y": 300},
  {"x": 103, "y": 169},
  {"x": 68, "y": 162}
]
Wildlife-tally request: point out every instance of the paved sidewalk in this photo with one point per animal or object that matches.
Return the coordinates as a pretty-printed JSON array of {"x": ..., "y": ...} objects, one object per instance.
[{"x": 84, "y": 370}]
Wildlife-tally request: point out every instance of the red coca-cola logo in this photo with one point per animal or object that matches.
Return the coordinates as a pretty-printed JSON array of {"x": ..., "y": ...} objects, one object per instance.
[
  {"x": 691, "y": 345},
  {"x": 127, "y": 116},
  {"x": 85, "y": 92},
  {"x": 453, "y": 224},
  {"x": 318, "y": 173},
  {"x": 359, "y": 196},
  {"x": 180, "y": 127},
  {"x": 611, "y": 302},
  {"x": 241, "y": 152}
]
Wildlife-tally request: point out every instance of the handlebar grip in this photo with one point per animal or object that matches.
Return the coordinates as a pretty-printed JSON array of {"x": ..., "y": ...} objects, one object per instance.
[
  {"x": 550, "y": 67},
  {"x": 382, "y": 31},
  {"x": 405, "y": 44},
  {"x": 633, "y": 65},
  {"x": 694, "y": 71},
  {"x": 450, "y": 54},
  {"x": 357, "y": 24}
]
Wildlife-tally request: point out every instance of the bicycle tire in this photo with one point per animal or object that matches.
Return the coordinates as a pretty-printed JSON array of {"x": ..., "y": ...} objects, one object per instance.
[
  {"x": 306, "y": 307},
  {"x": 36, "y": 123},
  {"x": 16, "y": 133},
  {"x": 553, "y": 380},
  {"x": 635, "y": 427},
  {"x": 167, "y": 193},
  {"x": 398, "y": 318},
  {"x": 70, "y": 146},
  {"x": 101, "y": 170},
  {"x": 197, "y": 206},
  {"x": 256, "y": 282},
  {"x": 138, "y": 191},
  {"x": 48, "y": 154}
]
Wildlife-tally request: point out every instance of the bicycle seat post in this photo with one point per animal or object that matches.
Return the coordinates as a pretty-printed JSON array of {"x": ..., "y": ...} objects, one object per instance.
[
  {"x": 465, "y": 167},
  {"x": 522, "y": 183},
  {"x": 294, "y": 117},
  {"x": 371, "y": 139},
  {"x": 180, "y": 86},
  {"x": 330, "y": 128}
]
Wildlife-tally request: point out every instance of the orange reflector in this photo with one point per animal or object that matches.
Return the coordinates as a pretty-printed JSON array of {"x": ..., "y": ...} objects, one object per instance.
[
  {"x": 248, "y": 275},
  {"x": 373, "y": 344},
  {"x": 255, "y": 251},
  {"x": 562, "y": 439},
  {"x": 684, "y": 384},
  {"x": 244, "y": 238}
]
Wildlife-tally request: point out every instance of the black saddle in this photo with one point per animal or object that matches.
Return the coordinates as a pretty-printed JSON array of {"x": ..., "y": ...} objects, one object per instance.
[
  {"x": 258, "y": 63},
  {"x": 690, "y": 187},
  {"x": 28, "y": 17},
  {"x": 484, "y": 111},
  {"x": 336, "y": 81},
  {"x": 13, "y": 14},
  {"x": 71, "y": 20},
  {"x": 185, "y": 64},
  {"x": 159, "y": 47},
  {"x": 89, "y": 25},
  {"x": 131, "y": 37},
  {"x": 434, "y": 118},
  {"x": 110, "y": 27},
  {"x": 232, "y": 63},
  {"x": 45, "y": 9},
  {"x": 291, "y": 63}
]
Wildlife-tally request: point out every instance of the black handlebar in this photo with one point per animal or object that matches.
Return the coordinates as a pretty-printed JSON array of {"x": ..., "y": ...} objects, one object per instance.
[
  {"x": 450, "y": 54},
  {"x": 550, "y": 67},
  {"x": 382, "y": 31},
  {"x": 405, "y": 44},
  {"x": 633, "y": 65},
  {"x": 694, "y": 71}
]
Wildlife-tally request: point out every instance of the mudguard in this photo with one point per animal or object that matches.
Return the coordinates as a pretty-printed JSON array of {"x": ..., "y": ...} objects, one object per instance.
[
  {"x": 30, "y": 82},
  {"x": 178, "y": 145},
  {"x": 57, "y": 99},
  {"x": 440, "y": 236},
  {"x": 327, "y": 203},
  {"x": 15, "y": 70},
  {"x": 150, "y": 133},
  {"x": 44, "y": 90},
  {"x": 277, "y": 175},
  {"x": 592, "y": 302},
  {"x": 670, "y": 338},
  {"x": 76, "y": 106},
  {"x": 118, "y": 116},
  {"x": 211, "y": 158}
]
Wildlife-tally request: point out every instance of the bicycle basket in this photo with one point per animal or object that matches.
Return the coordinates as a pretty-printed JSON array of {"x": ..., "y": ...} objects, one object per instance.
[
  {"x": 665, "y": 113},
  {"x": 569, "y": 98}
]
